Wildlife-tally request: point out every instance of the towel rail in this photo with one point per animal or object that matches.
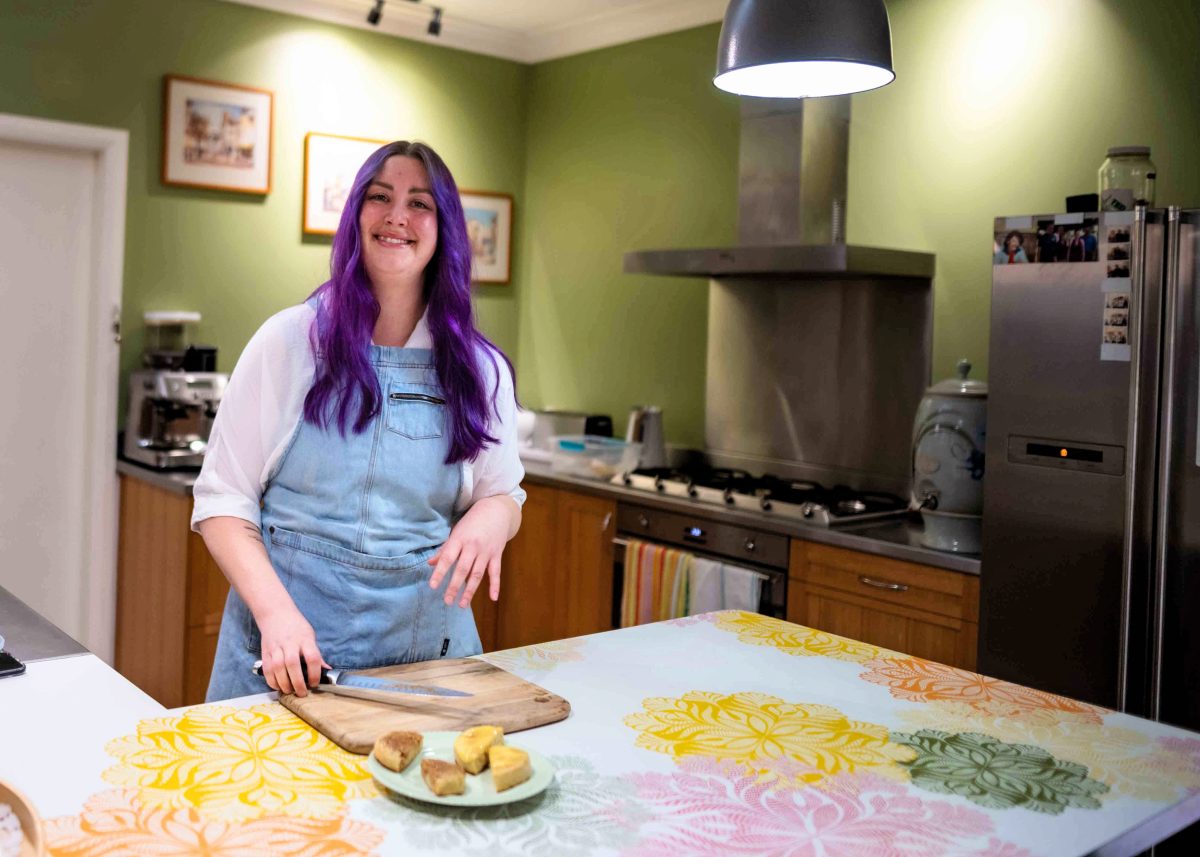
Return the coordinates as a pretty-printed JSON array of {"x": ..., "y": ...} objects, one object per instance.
[{"x": 624, "y": 543}]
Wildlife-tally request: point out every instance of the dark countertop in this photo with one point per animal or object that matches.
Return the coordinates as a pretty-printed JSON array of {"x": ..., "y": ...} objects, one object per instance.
[
  {"x": 30, "y": 637},
  {"x": 897, "y": 538}
]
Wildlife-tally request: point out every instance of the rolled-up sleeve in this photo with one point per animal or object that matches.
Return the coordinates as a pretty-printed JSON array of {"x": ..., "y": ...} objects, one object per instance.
[
  {"x": 497, "y": 469},
  {"x": 258, "y": 413}
]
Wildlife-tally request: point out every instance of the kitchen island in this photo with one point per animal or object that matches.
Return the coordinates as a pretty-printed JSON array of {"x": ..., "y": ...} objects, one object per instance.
[{"x": 777, "y": 739}]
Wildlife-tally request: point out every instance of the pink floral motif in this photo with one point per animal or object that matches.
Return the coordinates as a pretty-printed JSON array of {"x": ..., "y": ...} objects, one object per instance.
[
  {"x": 700, "y": 618},
  {"x": 706, "y": 808},
  {"x": 1189, "y": 748}
]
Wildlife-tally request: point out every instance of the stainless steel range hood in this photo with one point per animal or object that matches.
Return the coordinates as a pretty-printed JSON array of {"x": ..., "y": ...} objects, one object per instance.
[
  {"x": 792, "y": 172},
  {"x": 818, "y": 351}
]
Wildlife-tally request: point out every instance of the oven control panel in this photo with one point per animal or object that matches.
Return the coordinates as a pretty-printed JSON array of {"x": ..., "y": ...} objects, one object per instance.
[{"x": 717, "y": 538}]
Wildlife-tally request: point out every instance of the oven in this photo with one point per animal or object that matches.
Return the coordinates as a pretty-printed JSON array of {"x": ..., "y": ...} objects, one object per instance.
[{"x": 764, "y": 553}]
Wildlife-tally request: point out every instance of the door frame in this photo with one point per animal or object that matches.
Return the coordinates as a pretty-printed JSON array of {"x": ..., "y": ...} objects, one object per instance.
[{"x": 100, "y": 500}]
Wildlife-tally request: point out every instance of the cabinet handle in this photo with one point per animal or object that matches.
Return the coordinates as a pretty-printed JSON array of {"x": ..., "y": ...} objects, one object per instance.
[
  {"x": 607, "y": 521},
  {"x": 882, "y": 584}
]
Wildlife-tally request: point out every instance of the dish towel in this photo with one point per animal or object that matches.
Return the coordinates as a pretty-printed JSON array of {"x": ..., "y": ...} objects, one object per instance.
[
  {"x": 656, "y": 583},
  {"x": 721, "y": 586}
]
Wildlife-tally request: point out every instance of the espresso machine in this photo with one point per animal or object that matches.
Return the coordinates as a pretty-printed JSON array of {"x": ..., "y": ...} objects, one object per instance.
[{"x": 173, "y": 399}]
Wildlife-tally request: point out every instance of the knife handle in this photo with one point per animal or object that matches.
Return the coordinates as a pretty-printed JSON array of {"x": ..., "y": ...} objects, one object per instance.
[{"x": 324, "y": 679}]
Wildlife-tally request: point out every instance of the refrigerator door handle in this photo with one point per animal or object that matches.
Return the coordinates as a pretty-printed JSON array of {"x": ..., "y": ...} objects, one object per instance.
[{"x": 1166, "y": 434}]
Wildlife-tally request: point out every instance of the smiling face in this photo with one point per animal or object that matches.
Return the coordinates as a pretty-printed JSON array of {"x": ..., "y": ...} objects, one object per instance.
[{"x": 398, "y": 223}]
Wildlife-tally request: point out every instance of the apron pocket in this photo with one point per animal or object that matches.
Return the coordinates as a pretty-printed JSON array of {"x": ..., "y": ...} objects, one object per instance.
[{"x": 416, "y": 411}]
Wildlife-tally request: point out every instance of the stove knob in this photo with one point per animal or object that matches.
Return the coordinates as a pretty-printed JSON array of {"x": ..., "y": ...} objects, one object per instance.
[
  {"x": 628, "y": 480},
  {"x": 692, "y": 492},
  {"x": 766, "y": 504},
  {"x": 643, "y": 522},
  {"x": 808, "y": 510},
  {"x": 750, "y": 545},
  {"x": 728, "y": 496}
]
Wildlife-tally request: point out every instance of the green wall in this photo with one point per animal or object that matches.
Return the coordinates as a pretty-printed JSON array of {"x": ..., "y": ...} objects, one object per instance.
[
  {"x": 237, "y": 258},
  {"x": 999, "y": 107}
]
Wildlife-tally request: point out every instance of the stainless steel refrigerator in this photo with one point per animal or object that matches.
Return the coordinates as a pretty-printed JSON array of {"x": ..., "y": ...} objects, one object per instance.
[{"x": 1091, "y": 527}]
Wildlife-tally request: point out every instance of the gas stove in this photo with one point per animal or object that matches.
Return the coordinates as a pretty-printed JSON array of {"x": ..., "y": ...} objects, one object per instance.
[{"x": 800, "y": 500}]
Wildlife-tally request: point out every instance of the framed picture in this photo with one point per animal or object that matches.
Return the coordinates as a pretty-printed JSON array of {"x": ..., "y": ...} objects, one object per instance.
[
  {"x": 330, "y": 164},
  {"x": 489, "y": 226},
  {"x": 216, "y": 135}
]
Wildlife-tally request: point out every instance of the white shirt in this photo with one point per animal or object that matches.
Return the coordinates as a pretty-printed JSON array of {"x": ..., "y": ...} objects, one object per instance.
[{"x": 263, "y": 404}]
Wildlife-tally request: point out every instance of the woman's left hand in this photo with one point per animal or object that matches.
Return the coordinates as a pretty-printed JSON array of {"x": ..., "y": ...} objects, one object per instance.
[{"x": 474, "y": 548}]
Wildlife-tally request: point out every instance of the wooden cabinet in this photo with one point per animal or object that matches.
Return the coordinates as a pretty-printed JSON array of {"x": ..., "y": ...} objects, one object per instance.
[
  {"x": 557, "y": 575},
  {"x": 170, "y": 596},
  {"x": 917, "y": 609}
]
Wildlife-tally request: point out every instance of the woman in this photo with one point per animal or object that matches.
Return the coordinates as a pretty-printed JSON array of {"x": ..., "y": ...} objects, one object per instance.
[
  {"x": 1012, "y": 251},
  {"x": 364, "y": 451}
]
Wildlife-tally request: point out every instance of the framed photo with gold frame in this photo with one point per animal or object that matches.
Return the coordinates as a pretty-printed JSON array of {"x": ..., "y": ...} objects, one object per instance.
[
  {"x": 216, "y": 135},
  {"x": 489, "y": 226},
  {"x": 330, "y": 163}
]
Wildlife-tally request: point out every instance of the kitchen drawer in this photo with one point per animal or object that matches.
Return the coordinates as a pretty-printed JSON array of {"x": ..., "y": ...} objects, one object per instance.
[{"x": 886, "y": 581}]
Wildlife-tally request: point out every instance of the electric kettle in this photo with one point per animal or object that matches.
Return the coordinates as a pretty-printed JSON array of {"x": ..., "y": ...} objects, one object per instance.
[{"x": 646, "y": 427}]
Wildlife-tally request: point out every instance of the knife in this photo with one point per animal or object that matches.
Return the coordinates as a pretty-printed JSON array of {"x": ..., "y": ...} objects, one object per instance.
[{"x": 373, "y": 688}]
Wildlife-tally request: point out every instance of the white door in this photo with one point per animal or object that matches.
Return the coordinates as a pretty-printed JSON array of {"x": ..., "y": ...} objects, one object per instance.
[{"x": 59, "y": 289}]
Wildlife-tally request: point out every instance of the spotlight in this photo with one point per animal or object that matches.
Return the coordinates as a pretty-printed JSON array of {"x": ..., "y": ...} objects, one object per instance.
[
  {"x": 435, "y": 26},
  {"x": 374, "y": 15}
]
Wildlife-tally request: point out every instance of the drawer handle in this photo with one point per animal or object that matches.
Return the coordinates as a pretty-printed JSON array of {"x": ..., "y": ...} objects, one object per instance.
[{"x": 882, "y": 584}]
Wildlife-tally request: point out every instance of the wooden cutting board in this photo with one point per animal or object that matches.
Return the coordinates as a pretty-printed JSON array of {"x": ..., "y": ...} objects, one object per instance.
[{"x": 500, "y": 699}]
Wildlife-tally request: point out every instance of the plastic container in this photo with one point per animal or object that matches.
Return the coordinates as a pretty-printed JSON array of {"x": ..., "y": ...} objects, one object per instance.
[
  {"x": 592, "y": 457},
  {"x": 1127, "y": 178}
]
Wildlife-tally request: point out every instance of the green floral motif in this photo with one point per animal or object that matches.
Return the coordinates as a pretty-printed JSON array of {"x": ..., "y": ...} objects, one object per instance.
[{"x": 998, "y": 775}]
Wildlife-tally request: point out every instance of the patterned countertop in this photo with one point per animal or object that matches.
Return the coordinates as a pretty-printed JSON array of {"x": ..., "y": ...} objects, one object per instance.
[{"x": 778, "y": 740}]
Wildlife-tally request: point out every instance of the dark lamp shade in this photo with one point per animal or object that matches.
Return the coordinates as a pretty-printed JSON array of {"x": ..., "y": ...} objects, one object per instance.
[{"x": 804, "y": 48}]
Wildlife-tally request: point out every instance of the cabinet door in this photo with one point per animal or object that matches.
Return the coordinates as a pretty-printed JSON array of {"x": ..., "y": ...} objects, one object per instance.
[
  {"x": 915, "y": 609},
  {"x": 585, "y": 557},
  {"x": 526, "y": 611}
]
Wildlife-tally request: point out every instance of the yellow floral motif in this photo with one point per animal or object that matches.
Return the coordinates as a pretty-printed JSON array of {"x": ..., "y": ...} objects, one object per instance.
[
  {"x": 542, "y": 657},
  {"x": 758, "y": 730},
  {"x": 798, "y": 640},
  {"x": 238, "y": 763},
  {"x": 1123, "y": 759},
  {"x": 115, "y": 824}
]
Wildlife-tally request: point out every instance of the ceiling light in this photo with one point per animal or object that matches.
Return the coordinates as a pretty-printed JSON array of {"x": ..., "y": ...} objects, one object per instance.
[
  {"x": 804, "y": 48},
  {"x": 435, "y": 26},
  {"x": 374, "y": 15}
]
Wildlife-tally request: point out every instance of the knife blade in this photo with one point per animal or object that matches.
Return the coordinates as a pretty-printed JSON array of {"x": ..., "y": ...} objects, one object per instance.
[{"x": 349, "y": 683}]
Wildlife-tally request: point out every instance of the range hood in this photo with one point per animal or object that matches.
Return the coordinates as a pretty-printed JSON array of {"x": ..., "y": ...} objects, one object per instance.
[{"x": 792, "y": 166}]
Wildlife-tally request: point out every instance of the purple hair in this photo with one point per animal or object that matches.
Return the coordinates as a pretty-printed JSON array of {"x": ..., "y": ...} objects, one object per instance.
[{"x": 346, "y": 387}]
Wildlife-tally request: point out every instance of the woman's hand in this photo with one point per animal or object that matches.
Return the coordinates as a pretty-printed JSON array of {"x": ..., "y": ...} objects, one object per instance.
[
  {"x": 474, "y": 548},
  {"x": 286, "y": 638}
]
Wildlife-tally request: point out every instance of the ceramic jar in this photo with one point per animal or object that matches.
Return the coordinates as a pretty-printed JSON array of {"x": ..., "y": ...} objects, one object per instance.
[{"x": 949, "y": 432}]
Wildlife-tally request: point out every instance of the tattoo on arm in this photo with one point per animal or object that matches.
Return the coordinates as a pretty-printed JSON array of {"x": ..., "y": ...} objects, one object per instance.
[{"x": 254, "y": 532}]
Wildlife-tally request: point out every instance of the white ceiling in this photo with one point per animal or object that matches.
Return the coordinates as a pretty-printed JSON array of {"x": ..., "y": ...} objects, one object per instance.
[{"x": 527, "y": 31}]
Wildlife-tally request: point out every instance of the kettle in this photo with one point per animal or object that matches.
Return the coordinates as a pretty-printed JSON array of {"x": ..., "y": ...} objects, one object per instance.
[
  {"x": 948, "y": 462},
  {"x": 646, "y": 427}
]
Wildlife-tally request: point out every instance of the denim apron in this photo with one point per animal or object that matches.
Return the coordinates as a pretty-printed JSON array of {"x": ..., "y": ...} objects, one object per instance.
[{"x": 349, "y": 523}]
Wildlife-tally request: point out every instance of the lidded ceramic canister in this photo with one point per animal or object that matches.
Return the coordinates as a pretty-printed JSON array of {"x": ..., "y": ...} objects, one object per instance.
[{"x": 948, "y": 445}]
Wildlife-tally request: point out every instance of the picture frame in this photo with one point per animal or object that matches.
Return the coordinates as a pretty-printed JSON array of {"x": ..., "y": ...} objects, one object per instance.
[
  {"x": 489, "y": 227},
  {"x": 330, "y": 163},
  {"x": 216, "y": 135}
]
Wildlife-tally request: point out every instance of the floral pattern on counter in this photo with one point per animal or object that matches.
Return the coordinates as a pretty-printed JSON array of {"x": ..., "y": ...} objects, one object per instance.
[
  {"x": 539, "y": 658},
  {"x": 234, "y": 764},
  {"x": 755, "y": 728},
  {"x": 118, "y": 823},
  {"x": 758, "y": 630},
  {"x": 997, "y": 775},
  {"x": 918, "y": 680},
  {"x": 1129, "y": 762},
  {"x": 710, "y": 807},
  {"x": 582, "y": 812}
]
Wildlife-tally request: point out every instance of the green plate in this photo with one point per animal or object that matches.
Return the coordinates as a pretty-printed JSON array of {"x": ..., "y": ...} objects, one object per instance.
[{"x": 479, "y": 788}]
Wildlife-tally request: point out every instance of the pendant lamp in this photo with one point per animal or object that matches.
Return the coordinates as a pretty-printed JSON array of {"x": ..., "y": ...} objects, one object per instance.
[{"x": 804, "y": 48}]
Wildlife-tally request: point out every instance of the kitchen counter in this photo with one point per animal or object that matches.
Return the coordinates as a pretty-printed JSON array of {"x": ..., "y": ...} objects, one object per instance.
[
  {"x": 780, "y": 738},
  {"x": 28, "y": 636},
  {"x": 897, "y": 538}
]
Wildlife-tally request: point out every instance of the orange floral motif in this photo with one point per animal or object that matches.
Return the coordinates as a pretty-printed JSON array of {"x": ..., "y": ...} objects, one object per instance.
[
  {"x": 117, "y": 823},
  {"x": 919, "y": 680}
]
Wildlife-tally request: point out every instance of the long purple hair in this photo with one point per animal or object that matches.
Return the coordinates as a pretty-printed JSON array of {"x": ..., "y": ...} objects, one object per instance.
[{"x": 346, "y": 390}]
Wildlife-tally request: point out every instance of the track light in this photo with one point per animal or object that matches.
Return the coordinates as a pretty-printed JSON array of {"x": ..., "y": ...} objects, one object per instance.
[
  {"x": 374, "y": 15},
  {"x": 435, "y": 26}
]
